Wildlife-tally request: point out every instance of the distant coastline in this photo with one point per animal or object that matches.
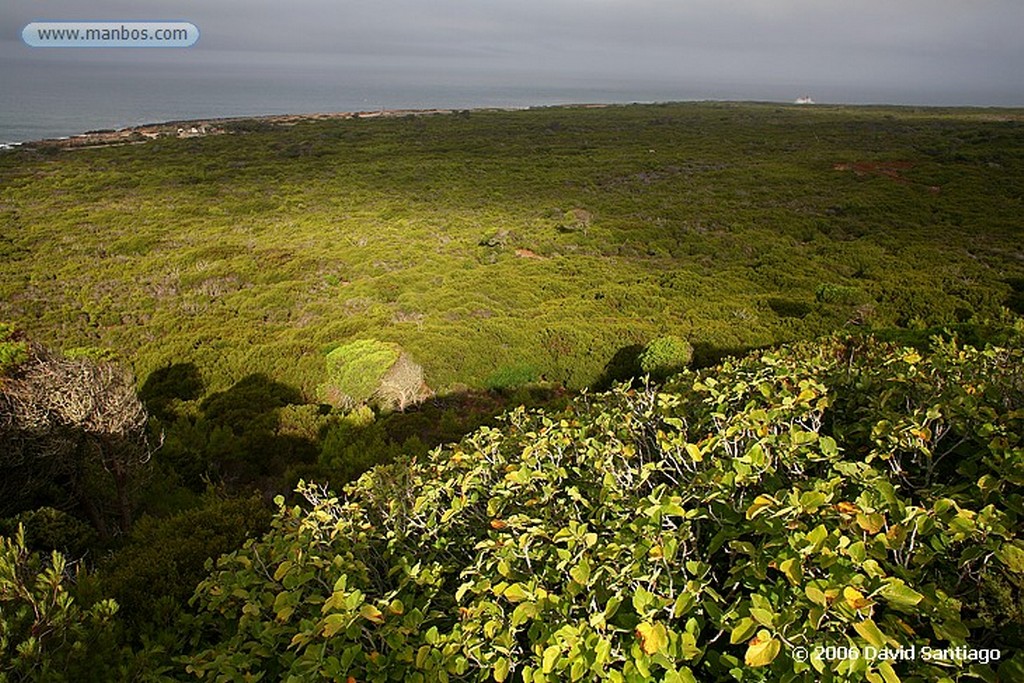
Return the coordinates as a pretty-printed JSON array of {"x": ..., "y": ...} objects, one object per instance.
[
  {"x": 193, "y": 128},
  {"x": 206, "y": 126}
]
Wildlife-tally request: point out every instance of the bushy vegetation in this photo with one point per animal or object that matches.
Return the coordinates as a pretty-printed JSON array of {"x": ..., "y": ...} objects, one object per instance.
[
  {"x": 665, "y": 356},
  {"x": 403, "y": 309},
  {"x": 12, "y": 352},
  {"x": 549, "y": 238},
  {"x": 72, "y": 429},
  {"x": 354, "y": 371},
  {"x": 45, "y": 635},
  {"x": 843, "y": 492}
]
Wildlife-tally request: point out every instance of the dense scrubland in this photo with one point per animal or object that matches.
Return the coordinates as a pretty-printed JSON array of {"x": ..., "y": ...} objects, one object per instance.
[{"x": 842, "y": 465}]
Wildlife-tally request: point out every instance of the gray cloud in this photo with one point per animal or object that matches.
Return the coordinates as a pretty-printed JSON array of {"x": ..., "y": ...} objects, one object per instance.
[{"x": 947, "y": 44}]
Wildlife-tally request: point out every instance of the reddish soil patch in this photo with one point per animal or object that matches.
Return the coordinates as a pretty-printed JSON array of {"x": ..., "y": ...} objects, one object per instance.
[
  {"x": 889, "y": 169},
  {"x": 526, "y": 253}
]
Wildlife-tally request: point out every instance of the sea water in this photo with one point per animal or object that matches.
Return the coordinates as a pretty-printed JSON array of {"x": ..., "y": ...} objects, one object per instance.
[{"x": 51, "y": 96}]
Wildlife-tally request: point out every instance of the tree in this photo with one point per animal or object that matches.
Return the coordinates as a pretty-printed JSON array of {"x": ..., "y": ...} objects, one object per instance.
[
  {"x": 402, "y": 385},
  {"x": 369, "y": 370},
  {"x": 354, "y": 371},
  {"x": 75, "y": 422}
]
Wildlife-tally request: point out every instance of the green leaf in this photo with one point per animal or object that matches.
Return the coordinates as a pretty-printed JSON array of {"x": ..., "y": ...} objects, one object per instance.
[
  {"x": 815, "y": 595},
  {"x": 1012, "y": 669},
  {"x": 743, "y": 631},
  {"x": 501, "y": 669},
  {"x": 333, "y": 623},
  {"x": 1012, "y": 556},
  {"x": 793, "y": 571},
  {"x": 516, "y": 593},
  {"x": 897, "y": 592},
  {"x": 581, "y": 572},
  {"x": 653, "y": 637},
  {"x": 762, "y": 616},
  {"x": 642, "y": 598},
  {"x": 759, "y": 504},
  {"x": 870, "y": 632},
  {"x": 817, "y": 536},
  {"x": 812, "y": 500},
  {"x": 683, "y": 604},
  {"x": 762, "y": 650},
  {"x": 523, "y": 612},
  {"x": 888, "y": 673},
  {"x": 688, "y": 645},
  {"x": 550, "y": 658},
  {"x": 801, "y": 437},
  {"x": 282, "y": 569},
  {"x": 683, "y": 675},
  {"x": 371, "y": 613},
  {"x": 872, "y": 523},
  {"x": 855, "y": 599}
]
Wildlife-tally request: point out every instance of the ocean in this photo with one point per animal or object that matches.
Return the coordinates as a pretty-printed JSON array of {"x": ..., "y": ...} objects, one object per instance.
[{"x": 48, "y": 98}]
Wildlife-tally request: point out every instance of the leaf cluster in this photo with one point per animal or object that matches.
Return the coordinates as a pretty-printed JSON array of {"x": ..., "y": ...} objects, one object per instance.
[{"x": 843, "y": 492}]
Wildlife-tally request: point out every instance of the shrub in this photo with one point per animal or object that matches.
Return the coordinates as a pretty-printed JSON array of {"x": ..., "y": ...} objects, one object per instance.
[
  {"x": 354, "y": 371},
  {"x": 511, "y": 376},
  {"x": 353, "y": 445},
  {"x": 829, "y": 293},
  {"x": 12, "y": 350},
  {"x": 45, "y": 634},
  {"x": 48, "y": 529},
  {"x": 807, "y": 497},
  {"x": 76, "y": 423},
  {"x": 665, "y": 356},
  {"x": 164, "y": 558},
  {"x": 402, "y": 385},
  {"x": 369, "y": 370}
]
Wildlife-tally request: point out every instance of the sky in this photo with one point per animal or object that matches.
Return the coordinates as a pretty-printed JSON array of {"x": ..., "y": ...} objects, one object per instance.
[{"x": 895, "y": 51}]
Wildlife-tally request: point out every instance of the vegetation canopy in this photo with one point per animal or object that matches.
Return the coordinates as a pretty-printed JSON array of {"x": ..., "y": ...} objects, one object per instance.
[
  {"x": 557, "y": 365},
  {"x": 847, "y": 492}
]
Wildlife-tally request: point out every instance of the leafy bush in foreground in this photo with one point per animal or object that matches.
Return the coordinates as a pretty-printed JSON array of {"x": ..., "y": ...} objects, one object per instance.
[
  {"x": 843, "y": 492},
  {"x": 45, "y": 635}
]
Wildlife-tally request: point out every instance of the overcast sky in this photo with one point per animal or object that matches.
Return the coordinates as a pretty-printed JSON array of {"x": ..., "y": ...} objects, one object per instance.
[{"x": 970, "y": 49}]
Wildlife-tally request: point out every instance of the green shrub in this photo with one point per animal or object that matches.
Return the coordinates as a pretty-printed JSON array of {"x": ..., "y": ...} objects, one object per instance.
[
  {"x": 153, "y": 575},
  {"x": 511, "y": 376},
  {"x": 12, "y": 351},
  {"x": 354, "y": 371},
  {"x": 45, "y": 634},
  {"x": 48, "y": 529},
  {"x": 665, "y": 356},
  {"x": 830, "y": 293},
  {"x": 837, "y": 493},
  {"x": 372, "y": 371}
]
